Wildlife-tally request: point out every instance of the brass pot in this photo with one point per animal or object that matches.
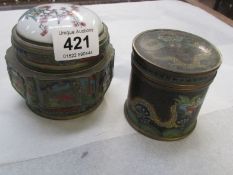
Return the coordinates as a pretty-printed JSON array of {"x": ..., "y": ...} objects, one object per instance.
[
  {"x": 171, "y": 72},
  {"x": 58, "y": 89}
]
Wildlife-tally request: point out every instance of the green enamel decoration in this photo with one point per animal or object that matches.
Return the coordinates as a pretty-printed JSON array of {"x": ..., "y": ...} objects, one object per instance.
[{"x": 171, "y": 73}]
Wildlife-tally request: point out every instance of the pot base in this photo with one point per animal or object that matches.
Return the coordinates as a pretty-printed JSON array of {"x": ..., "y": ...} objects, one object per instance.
[
  {"x": 64, "y": 117},
  {"x": 155, "y": 132}
]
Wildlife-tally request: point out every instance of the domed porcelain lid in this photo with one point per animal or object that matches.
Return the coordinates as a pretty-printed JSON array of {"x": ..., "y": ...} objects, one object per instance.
[
  {"x": 36, "y": 23},
  {"x": 176, "y": 51}
]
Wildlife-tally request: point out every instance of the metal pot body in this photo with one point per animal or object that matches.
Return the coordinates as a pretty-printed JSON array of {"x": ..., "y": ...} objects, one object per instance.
[
  {"x": 63, "y": 95},
  {"x": 167, "y": 89},
  {"x": 159, "y": 111}
]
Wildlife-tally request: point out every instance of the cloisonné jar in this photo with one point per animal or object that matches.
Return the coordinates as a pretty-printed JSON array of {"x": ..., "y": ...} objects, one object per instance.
[
  {"x": 58, "y": 89},
  {"x": 171, "y": 72}
]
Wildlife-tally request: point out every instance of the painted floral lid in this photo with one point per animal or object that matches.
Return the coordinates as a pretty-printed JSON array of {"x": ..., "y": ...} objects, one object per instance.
[
  {"x": 36, "y": 23},
  {"x": 176, "y": 51}
]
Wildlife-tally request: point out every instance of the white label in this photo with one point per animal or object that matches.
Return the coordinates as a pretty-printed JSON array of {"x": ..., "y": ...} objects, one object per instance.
[{"x": 75, "y": 43}]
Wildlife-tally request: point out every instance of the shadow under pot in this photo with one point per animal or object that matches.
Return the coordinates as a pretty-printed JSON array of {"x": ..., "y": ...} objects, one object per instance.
[
  {"x": 58, "y": 89},
  {"x": 171, "y": 72}
]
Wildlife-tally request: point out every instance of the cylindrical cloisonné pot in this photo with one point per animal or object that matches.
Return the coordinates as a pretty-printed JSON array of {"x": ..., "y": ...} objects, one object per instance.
[
  {"x": 171, "y": 72},
  {"x": 58, "y": 89}
]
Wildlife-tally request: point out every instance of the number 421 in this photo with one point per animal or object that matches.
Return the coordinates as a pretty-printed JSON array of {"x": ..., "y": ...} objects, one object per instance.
[{"x": 68, "y": 44}]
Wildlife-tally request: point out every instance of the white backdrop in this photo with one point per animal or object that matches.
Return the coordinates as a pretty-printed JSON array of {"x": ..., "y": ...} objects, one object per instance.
[{"x": 25, "y": 136}]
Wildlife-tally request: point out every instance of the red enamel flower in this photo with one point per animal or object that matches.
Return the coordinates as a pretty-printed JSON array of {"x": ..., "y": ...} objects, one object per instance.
[
  {"x": 44, "y": 32},
  {"x": 83, "y": 24}
]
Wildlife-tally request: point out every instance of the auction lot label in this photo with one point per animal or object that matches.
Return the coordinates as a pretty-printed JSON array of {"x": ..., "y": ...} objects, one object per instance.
[{"x": 75, "y": 43}]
